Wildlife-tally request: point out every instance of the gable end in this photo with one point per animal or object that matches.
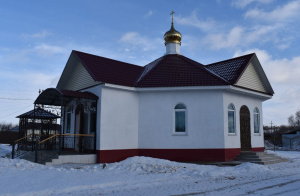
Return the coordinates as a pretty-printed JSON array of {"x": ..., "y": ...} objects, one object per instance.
[
  {"x": 250, "y": 79},
  {"x": 75, "y": 76}
]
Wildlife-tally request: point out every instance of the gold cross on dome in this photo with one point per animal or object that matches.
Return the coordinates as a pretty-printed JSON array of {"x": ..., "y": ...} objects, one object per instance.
[{"x": 172, "y": 13}]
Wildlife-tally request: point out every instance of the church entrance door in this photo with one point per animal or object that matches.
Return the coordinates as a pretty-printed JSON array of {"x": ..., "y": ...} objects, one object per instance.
[{"x": 245, "y": 129}]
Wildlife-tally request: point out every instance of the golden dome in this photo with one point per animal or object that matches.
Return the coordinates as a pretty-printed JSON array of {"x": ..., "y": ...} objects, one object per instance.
[{"x": 172, "y": 35}]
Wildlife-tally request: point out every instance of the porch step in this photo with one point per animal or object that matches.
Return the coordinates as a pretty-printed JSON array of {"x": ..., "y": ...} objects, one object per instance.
[
  {"x": 61, "y": 159},
  {"x": 83, "y": 158},
  {"x": 262, "y": 158}
]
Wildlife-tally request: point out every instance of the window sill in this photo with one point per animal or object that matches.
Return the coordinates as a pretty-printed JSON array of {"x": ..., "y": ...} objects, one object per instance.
[
  {"x": 179, "y": 133},
  {"x": 257, "y": 134},
  {"x": 231, "y": 134}
]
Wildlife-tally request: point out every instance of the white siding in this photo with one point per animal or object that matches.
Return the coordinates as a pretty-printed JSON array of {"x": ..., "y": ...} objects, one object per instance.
[
  {"x": 75, "y": 76},
  {"x": 251, "y": 80}
]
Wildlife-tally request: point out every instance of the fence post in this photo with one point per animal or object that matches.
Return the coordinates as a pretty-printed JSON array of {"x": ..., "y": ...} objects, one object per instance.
[
  {"x": 36, "y": 151},
  {"x": 13, "y": 151}
]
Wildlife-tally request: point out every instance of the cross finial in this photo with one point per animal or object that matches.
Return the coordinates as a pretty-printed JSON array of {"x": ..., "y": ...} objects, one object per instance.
[{"x": 172, "y": 13}]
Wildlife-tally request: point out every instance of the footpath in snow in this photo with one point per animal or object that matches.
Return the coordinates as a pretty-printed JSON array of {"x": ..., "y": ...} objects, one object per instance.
[{"x": 149, "y": 176}]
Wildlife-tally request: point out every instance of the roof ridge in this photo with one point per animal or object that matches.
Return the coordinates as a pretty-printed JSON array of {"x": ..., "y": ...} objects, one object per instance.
[
  {"x": 202, "y": 67},
  {"x": 245, "y": 67},
  {"x": 230, "y": 59},
  {"x": 105, "y": 58},
  {"x": 95, "y": 77},
  {"x": 234, "y": 65},
  {"x": 216, "y": 74},
  {"x": 159, "y": 60}
]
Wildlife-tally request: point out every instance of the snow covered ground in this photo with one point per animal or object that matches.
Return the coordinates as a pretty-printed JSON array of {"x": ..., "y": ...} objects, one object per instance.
[
  {"x": 149, "y": 176},
  {"x": 5, "y": 149}
]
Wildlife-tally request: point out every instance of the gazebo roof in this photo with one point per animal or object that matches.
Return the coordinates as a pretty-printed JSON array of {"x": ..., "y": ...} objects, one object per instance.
[
  {"x": 58, "y": 97},
  {"x": 38, "y": 113}
]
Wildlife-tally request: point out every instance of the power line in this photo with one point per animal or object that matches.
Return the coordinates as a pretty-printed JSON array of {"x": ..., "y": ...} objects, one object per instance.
[
  {"x": 16, "y": 111},
  {"x": 9, "y": 105},
  {"x": 17, "y": 90},
  {"x": 7, "y": 98}
]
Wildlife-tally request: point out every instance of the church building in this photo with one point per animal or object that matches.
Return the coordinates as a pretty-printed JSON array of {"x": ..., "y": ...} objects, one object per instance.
[{"x": 172, "y": 108}]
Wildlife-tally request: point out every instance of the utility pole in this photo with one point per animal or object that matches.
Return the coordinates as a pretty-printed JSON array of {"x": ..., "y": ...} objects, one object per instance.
[{"x": 273, "y": 135}]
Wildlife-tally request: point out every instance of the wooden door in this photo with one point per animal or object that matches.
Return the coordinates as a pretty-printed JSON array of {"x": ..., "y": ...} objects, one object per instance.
[{"x": 245, "y": 129}]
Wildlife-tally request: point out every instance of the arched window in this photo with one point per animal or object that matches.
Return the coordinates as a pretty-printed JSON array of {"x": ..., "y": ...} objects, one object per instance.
[
  {"x": 180, "y": 118},
  {"x": 231, "y": 118},
  {"x": 256, "y": 120}
]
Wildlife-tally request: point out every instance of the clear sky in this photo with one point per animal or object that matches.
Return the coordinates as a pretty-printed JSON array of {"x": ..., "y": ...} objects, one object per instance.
[{"x": 37, "y": 37}]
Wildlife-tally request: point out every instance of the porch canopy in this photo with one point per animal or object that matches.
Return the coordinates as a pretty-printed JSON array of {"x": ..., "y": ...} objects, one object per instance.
[{"x": 58, "y": 97}]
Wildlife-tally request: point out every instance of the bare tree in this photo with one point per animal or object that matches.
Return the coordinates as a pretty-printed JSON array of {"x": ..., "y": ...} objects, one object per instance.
[
  {"x": 6, "y": 126},
  {"x": 291, "y": 120},
  {"x": 297, "y": 118},
  {"x": 294, "y": 120}
]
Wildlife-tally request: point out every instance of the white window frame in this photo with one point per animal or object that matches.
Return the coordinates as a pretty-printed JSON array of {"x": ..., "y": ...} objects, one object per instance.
[
  {"x": 234, "y": 119},
  {"x": 256, "y": 112},
  {"x": 174, "y": 117}
]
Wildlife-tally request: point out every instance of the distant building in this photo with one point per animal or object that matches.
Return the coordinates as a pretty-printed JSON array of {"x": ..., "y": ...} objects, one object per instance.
[
  {"x": 291, "y": 140},
  {"x": 14, "y": 129}
]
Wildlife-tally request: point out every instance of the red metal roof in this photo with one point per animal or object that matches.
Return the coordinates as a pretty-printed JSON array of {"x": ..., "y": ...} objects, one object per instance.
[
  {"x": 108, "y": 70},
  {"x": 231, "y": 69},
  {"x": 171, "y": 70},
  {"x": 175, "y": 70}
]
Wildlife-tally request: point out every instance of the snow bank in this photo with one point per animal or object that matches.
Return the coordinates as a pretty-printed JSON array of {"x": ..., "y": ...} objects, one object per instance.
[
  {"x": 5, "y": 149},
  {"x": 291, "y": 155},
  {"x": 135, "y": 176}
]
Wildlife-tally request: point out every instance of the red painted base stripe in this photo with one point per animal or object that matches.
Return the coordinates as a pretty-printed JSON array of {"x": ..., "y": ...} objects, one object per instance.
[
  {"x": 259, "y": 149},
  {"x": 185, "y": 155}
]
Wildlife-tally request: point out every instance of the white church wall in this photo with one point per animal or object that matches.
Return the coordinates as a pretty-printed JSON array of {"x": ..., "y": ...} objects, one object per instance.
[
  {"x": 204, "y": 110},
  {"x": 238, "y": 100},
  {"x": 119, "y": 119}
]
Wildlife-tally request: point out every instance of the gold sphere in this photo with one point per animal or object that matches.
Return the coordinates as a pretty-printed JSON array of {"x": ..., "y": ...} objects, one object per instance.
[{"x": 172, "y": 36}]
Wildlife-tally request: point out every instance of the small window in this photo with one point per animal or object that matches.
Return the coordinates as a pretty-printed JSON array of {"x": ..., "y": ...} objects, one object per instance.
[
  {"x": 256, "y": 120},
  {"x": 231, "y": 118},
  {"x": 180, "y": 118}
]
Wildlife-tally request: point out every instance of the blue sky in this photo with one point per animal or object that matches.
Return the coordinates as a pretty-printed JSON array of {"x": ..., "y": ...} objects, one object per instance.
[{"x": 37, "y": 37}]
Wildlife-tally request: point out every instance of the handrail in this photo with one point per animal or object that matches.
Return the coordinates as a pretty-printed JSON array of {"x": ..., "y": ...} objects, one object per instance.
[
  {"x": 67, "y": 134},
  {"x": 48, "y": 138},
  {"x": 88, "y": 135},
  {"x": 21, "y": 138}
]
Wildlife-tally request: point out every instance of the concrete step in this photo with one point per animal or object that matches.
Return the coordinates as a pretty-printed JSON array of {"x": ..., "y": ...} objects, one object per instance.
[
  {"x": 82, "y": 158},
  {"x": 259, "y": 158}
]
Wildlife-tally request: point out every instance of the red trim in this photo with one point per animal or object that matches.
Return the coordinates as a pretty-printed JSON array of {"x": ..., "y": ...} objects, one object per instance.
[
  {"x": 186, "y": 155},
  {"x": 231, "y": 153},
  {"x": 110, "y": 156},
  {"x": 259, "y": 149}
]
